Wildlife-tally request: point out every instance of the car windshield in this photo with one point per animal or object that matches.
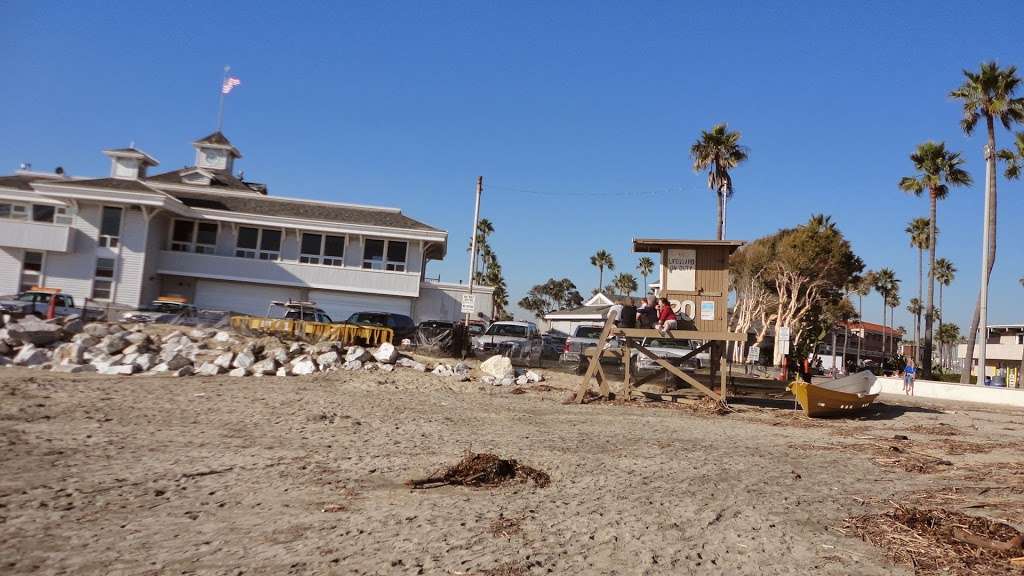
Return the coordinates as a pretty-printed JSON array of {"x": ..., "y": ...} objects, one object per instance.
[
  {"x": 667, "y": 343},
  {"x": 372, "y": 319},
  {"x": 29, "y": 297},
  {"x": 476, "y": 329},
  {"x": 588, "y": 331},
  {"x": 167, "y": 307},
  {"x": 507, "y": 330},
  {"x": 306, "y": 314}
]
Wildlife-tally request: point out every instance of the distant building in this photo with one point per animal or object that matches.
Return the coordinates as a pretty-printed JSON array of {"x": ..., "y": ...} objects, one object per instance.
[
  {"x": 593, "y": 311},
  {"x": 207, "y": 233},
  {"x": 1004, "y": 353},
  {"x": 869, "y": 337}
]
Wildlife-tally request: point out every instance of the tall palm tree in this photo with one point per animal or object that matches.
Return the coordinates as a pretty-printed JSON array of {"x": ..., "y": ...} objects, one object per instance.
[
  {"x": 645, "y": 266},
  {"x": 484, "y": 228},
  {"x": 1013, "y": 157},
  {"x": 862, "y": 289},
  {"x": 948, "y": 335},
  {"x": 625, "y": 283},
  {"x": 719, "y": 150},
  {"x": 885, "y": 283},
  {"x": 893, "y": 301},
  {"x": 989, "y": 93},
  {"x": 938, "y": 169},
  {"x": 602, "y": 259},
  {"x": 945, "y": 273},
  {"x": 918, "y": 229}
]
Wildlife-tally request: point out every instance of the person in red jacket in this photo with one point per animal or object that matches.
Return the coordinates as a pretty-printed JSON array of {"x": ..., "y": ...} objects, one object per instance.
[{"x": 666, "y": 317}]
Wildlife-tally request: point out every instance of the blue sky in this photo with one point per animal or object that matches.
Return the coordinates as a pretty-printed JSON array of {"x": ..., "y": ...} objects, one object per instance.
[{"x": 579, "y": 115}]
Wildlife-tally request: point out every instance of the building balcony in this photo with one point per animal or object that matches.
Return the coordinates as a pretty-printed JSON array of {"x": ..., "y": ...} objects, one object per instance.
[
  {"x": 36, "y": 235},
  {"x": 1004, "y": 352},
  {"x": 289, "y": 273}
]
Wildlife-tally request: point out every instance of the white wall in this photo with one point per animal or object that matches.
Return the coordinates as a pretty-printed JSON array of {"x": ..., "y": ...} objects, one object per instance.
[
  {"x": 10, "y": 270},
  {"x": 132, "y": 257},
  {"x": 442, "y": 301},
  {"x": 72, "y": 272}
]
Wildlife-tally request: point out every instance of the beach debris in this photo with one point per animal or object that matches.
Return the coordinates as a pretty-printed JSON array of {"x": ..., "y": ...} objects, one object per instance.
[
  {"x": 482, "y": 470},
  {"x": 939, "y": 541}
]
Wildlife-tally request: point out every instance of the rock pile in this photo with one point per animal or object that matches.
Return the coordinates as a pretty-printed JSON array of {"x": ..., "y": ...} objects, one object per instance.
[{"x": 69, "y": 345}]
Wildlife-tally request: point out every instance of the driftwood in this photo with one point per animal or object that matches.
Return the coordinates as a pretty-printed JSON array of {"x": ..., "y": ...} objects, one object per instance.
[{"x": 482, "y": 470}]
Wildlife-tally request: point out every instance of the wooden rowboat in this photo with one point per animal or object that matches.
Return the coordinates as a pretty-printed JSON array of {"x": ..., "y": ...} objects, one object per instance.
[{"x": 841, "y": 396}]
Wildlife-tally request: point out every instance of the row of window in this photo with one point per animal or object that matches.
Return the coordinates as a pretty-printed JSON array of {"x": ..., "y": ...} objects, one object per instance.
[
  {"x": 35, "y": 212},
  {"x": 265, "y": 244}
]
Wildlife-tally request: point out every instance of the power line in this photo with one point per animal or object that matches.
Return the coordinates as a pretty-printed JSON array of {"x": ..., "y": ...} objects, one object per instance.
[{"x": 566, "y": 193}]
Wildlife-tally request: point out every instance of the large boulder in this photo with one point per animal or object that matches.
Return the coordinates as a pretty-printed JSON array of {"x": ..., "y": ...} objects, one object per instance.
[
  {"x": 31, "y": 330},
  {"x": 86, "y": 340},
  {"x": 386, "y": 353},
  {"x": 237, "y": 372},
  {"x": 137, "y": 338},
  {"x": 303, "y": 365},
  {"x": 499, "y": 367},
  {"x": 30, "y": 355},
  {"x": 443, "y": 370},
  {"x": 5, "y": 349},
  {"x": 278, "y": 354},
  {"x": 200, "y": 334},
  {"x": 96, "y": 329},
  {"x": 264, "y": 367},
  {"x": 244, "y": 359},
  {"x": 145, "y": 361},
  {"x": 209, "y": 369},
  {"x": 328, "y": 360},
  {"x": 72, "y": 324},
  {"x": 406, "y": 362},
  {"x": 114, "y": 343},
  {"x": 119, "y": 370},
  {"x": 357, "y": 353},
  {"x": 224, "y": 360},
  {"x": 69, "y": 353},
  {"x": 353, "y": 365}
]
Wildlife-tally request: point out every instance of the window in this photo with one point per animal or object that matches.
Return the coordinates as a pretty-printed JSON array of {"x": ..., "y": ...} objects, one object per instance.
[
  {"x": 31, "y": 271},
  {"x": 110, "y": 227},
  {"x": 104, "y": 279},
  {"x": 13, "y": 211},
  {"x": 374, "y": 252},
  {"x": 270, "y": 244},
  {"x": 258, "y": 242},
  {"x": 322, "y": 249},
  {"x": 190, "y": 236},
  {"x": 42, "y": 213}
]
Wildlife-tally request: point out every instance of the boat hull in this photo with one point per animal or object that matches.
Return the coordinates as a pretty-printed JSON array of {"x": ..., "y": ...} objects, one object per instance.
[{"x": 818, "y": 402}]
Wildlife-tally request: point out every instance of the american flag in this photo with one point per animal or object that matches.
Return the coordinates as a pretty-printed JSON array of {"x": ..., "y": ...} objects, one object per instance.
[{"x": 229, "y": 83}]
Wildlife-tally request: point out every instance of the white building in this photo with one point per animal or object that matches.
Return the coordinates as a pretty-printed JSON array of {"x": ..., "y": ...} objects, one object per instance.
[
  {"x": 593, "y": 311},
  {"x": 206, "y": 234},
  {"x": 1004, "y": 353}
]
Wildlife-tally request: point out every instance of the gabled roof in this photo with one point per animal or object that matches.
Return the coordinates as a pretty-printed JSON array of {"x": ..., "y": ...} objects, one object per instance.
[
  {"x": 580, "y": 313},
  {"x": 132, "y": 152},
  {"x": 872, "y": 327},
  {"x": 218, "y": 140},
  {"x": 20, "y": 181},
  {"x": 221, "y": 179},
  {"x": 658, "y": 244}
]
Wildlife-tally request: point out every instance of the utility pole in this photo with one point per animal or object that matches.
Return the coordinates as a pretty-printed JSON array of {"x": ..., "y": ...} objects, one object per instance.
[
  {"x": 472, "y": 248},
  {"x": 984, "y": 268}
]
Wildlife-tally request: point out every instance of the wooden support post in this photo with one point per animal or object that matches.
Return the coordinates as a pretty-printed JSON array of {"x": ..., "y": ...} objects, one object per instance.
[
  {"x": 725, "y": 378},
  {"x": 677, "y": 372},
  {"x": 626, "y": 369},
  {"x": 595, "y": 363},
  {"x": 713, "y": 365}
]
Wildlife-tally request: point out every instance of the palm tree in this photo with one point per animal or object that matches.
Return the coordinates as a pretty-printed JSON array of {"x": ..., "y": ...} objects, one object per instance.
[
  {"x": 602, "y": 259},
  {"x": 917, "y": 229},
  {"x": 948, "y": 334},
  {"x": 625, "y": 283},
  {"x": 645, "y": 266},
  {"x": 893, "y": 302},
  {"x": 1013, "y": 158},
  {"x": 989, "y": 93},
  {"x": 938, "y": 169},
  {"x": 945, "y": 273},
  {"x": 884, "y": 283},
  {"x": 862, "y": 289},
  {"x": 914, "y": 307},
  {"x": 720, "y": 151},
  {"x": 484, "y": 229}
]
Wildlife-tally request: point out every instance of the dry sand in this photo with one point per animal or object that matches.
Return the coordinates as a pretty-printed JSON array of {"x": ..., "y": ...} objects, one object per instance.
[{"x": 151, "y": 475}]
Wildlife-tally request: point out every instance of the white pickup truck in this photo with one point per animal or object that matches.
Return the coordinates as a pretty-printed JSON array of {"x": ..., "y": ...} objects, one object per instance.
[{"x": 37, "y": 303}]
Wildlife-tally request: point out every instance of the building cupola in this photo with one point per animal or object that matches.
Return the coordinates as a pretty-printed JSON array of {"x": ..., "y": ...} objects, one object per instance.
[
  {"x": 215, "y": 152},
  {"x": 129, "y": 163}
]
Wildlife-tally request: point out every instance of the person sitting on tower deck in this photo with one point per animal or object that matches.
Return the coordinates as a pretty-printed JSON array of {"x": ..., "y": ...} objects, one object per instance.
[{"x": 666, "y": 317}]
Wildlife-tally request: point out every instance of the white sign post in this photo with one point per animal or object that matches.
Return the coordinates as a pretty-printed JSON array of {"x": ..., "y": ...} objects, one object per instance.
[
  {"x": 468, "y": 304},
  {"x": 753, "y": 354}
]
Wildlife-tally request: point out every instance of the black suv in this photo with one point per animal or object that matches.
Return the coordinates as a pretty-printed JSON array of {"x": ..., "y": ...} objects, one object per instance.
[{"x": 400, "y": 323}]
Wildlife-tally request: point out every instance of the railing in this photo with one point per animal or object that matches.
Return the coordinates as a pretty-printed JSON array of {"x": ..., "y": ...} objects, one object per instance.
[
  {"x": 314, "y": 331},
  {"x": 289, "y": 273},
  {"x": 35, "y": 235}
]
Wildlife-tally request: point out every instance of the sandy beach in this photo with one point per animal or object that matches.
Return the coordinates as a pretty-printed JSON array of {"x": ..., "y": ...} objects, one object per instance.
[{"x": 154, "y": 475}]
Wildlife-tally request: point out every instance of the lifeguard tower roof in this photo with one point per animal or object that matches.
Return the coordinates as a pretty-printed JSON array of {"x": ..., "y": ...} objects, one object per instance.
[{"x": 659, "y": 244}]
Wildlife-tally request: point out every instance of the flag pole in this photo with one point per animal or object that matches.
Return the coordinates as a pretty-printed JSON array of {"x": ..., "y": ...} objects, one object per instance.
[{"x": 220, "y": 105}]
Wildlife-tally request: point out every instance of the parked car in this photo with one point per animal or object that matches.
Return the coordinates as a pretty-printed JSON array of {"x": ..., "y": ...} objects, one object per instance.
[
  {"x": 163, "y": 310},
  {"x": 432, "y": 329},
  {"x": 671, "y": 350},
  {"x": 403, "y": 326},
  {"x": 585, "y": 336},
  {"x": 554, "y": 344},
  {"x": 309, "y": 315},
  {"x": 37, "y": 303},
  {"x": 515, "y": 339}
]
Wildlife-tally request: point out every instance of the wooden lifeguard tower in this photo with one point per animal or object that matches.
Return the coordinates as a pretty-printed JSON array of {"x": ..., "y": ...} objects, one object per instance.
[{"x": 694, "y": 278}]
